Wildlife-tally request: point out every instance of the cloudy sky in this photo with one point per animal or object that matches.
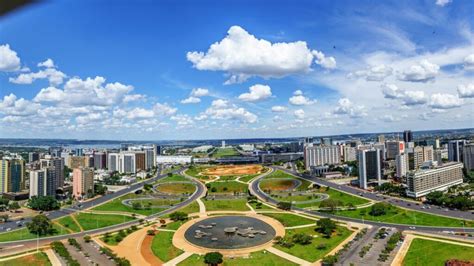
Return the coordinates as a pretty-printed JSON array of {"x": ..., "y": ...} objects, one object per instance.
[{"x": 235, "y": 69}]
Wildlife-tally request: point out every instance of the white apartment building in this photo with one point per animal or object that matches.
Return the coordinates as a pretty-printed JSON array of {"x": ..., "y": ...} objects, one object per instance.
[
  {"x": 432, "y": 177},
  {"x": 321, "y": 155},
  {"x": 174, "y": 159}
]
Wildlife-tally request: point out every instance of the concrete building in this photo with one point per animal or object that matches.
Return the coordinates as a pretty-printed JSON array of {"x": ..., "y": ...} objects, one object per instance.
[
  {"x": 350, "y": 154},
  {"x": 56, "y": 169},
  {"x": 432, "y": 177},
  {"x": 150, "y": 158},
  {"x": 370, "y": 166},
  {"x": 76, "y": 162},
  {"x": 82, "y": 182},
  {"x": 401, "y": 165},
  {"x": 455, "y": 150},
  {"x": 113, "y": 162},
  {"x": 174, "y": 159},
  {"x": 326, "y": 141},
  {"x": 33, "y": 157},
  {"x": 321, "y": 155},
  {"x": 418, "y": 156},
  {"x": 203, "y": 148},
  {"x": 12, "y": 173},
  {"x": 381, "y": 139},
  {"x": 407, "y": 136},
  {"x": 100, "y": 160},
  {"x": 468, "y": 157},
  {"x": 280, "y": 157},
  {"x": 394, "y": 148},
  {"x": 42, "y": 183}
]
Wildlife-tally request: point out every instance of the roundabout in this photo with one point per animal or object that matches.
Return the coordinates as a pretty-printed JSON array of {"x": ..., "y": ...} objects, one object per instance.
[{"x": 228, "y": 234}]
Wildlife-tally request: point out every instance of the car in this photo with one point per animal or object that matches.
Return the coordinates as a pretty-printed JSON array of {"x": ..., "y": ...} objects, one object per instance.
[
  {"x": 9, "y": 229},
  {"x": 412, "y": 227},
  {"x": 408, "y": 204}
]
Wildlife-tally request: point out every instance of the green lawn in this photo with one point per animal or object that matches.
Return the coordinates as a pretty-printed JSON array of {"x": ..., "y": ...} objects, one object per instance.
[
  {"x": 91, "y": 221},
  {"x": 247, "y": 178},
  {"x": 69, "y": 223},
  {"x": 288, "y": 219},
  {"x": 227, "y": 187},
  {"x": 162, "y": 246},
  {"x": 172, "y": 179},
  {"x": 403, "y": 216},
  {"x": 429, "y": 252},
  {"x": 224, "y": 152},
  {"x": 23, "y": 234},
  {"x": 191, "y": 208},
  {"x": 177, "y": 188},
  {"x": 262, "y": 258},
  {"x": 37, "y": 259},
  {"x": 175, "y": 225},
  {"x": 226, "y": 205},
  {"x": 279, "y": 174},
  {"x": 337, "y": 195},
  {"x": 195, "y": 170},
  {"x": 263, "y": 207},
  {"x": 116, "y": 205},
  {"x": 311, "y": 252}
]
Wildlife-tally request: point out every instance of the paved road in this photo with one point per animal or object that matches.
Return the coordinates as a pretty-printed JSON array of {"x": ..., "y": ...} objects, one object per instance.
[
  {"x": 31, "y": 243},
  {"x": 255, "y": 190},
  {"x": 398, "y": 202}
]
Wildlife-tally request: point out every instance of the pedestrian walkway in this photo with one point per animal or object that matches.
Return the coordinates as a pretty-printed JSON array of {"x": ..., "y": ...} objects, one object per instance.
[
  {"x": 288, "y": 256},
  {"x": 73, "y": 217},
  {"x": 178, "y": 259},
  {"x": 53, "y": 258}
]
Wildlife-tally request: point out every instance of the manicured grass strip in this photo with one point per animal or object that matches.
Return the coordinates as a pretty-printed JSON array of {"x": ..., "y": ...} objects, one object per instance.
[
  {"x": 310, "y": 252},
  {"x": 429, "y": 252},
  {"x": 162, "y": 246},
  {"x": 37, "y": 259},
  {"x": 224, "y": 152},
  {"x": 191, "y": 208},
  {"x": 247, "y": 178},
  {"x": 279, "y": 174},
  {"x": 403, "y": 216},
  {"x": 23, "y": 234},
  {"x": 288, "y": 219},
  {"x": 90, "y": 221},
  {"x": 226, "y": 205},
  {"x": 226, "y": 187},
  {"x": 262, "y": 258},
  {"x": 69, "y": 223},
  {"x": 116, "y": 205},
  {"x": 172, "y": 178},
  {"x": 262, "y": 207},
  {"x": 177, "y": 188}
]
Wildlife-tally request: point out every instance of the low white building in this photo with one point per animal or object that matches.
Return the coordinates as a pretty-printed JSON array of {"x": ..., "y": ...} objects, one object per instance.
[
  {"x": 203, "y": 148},
  {"x": 128, "y": 179},
  {"x": 247, "y": 147},
  {"x": 174, "y": 159}
]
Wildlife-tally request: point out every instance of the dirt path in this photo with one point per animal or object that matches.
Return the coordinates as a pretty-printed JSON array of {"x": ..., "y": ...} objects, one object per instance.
[
  {"x": 147, "y": 253},
  {"x": 73, "y": 217},
  {"x": 131, "y": 247},
  {"x": 287, "y": 256}
]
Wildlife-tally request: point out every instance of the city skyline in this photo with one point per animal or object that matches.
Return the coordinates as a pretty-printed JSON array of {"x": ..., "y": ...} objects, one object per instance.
[{"x": 325, "y": 69}]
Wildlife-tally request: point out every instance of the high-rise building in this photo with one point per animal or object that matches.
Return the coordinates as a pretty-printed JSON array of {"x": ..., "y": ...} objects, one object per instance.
[
  {"x": 370, "y": 166},
  {"x": 223, "y": 144},
  {"x": 113, "y": 162},
  {"x": 326, "y": 141},
  {"x": 432, "y": 177},
  {"x": 401, "y": 165},
  {"x": 100, "y": 160},
  {"x": 42, "y": 183},
  {"x": 381, "y": 139},
  {"x": 140, "y": 161},
  {"x": 468, "y": 157},
  {"x": 82, "y": 182},
  {"x": 350, "y": 154},
  {"x": 436, "y": 145},
  {"x": 455, "y": 148},
  {"x": 150, "y": 158},
  {"x": 321, "y": 155},
  {"x": 394, "y": 148},
  {"x": 12, "y": 173},
  {"x": 127, "y": 163},
  {"x": 78, "y": 152},
  {"x": 33, "y": 156},
  {"x": 407, "y": 136},
  {"x": 55, "y": 170}
]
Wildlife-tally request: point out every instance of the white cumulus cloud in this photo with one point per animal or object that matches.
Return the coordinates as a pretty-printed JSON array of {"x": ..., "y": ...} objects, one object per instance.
[
  {"x": 466, "y": 91},
  {"x": 299, "y": 113},
  {"x": 256, "y": 93},
  {"x": 443, "y": 2},
  {"x": 469, "y": 62},
  {"x": 346, "y": 107},
  {"x": 391, "y": 91},
  {"x": 48, "y": 63},
  {"x": 374, "y": 73},
  {"x": 9, "y": 60},
  {"x": 422, "y": 72},
  {"x": 299, "y": 99},
  {"x": 445, "y": 101},
  {"x": 279, "y": 109},
  {"x": 54, "y": 76}
]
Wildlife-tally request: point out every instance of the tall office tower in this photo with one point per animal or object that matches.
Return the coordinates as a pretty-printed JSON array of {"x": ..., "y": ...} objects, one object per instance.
[
  {"x": 127, "y": 163},
  {"x": 308, "y": 141},
  {"x": 100, "y": 160},
  {"x": 428, "y": 153},
  {"x": 381, "y": 147},
  {"x": 83, "y": 182},
  {"x": 89, "y": 160},
  {"x": 223, "y": 144},
  {"x": 407, "y": 136},
  {"x": 42, "y": 183},
  {"x": 150, "y": 158},
  {"x": 78, "y": 152},
  {"x": 370, "y": 166},
  {"x": 55, "y": 151},
  {"x": 416, "y": 158},
  {"x": 381, "y": 139},
  {"x": 55, "y": 169},
  {"x": 436, "y": 145},
  {"x": 12, "y": 173},
  {"x": 432, "y": 177},
  {"x": 326, "y": 141},
  {"x": 468, "y": 156},
  {"x": 33, "y": 156},
  {"x": 113, "y": 162},
  {"x": 350, "y": 154},
  {"x": 321, "y": 155},
  {"x": 140, "y": 161},
  {"x": 409, "y": 145},
  {"x": 158, "y": 151},
  {"x": 394, "y": 148},
  {"x": 75, "y": 162},
  {"x": 124, "y": 146},
  {"x": 401, "y": 165},
  {"x": 455, "y": 148}
]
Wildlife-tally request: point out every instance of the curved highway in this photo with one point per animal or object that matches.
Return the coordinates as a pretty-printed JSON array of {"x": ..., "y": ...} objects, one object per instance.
[
  {"x": 255, "y": 190},
  {"x": 18, "y": 245}
]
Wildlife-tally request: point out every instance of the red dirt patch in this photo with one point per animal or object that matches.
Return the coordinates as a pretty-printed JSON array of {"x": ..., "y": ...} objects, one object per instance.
[
  {"x": 146, "y": 251},
  {"x": 226, "y": 170}
]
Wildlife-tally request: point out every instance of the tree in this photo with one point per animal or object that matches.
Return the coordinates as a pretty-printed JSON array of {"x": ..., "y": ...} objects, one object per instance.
[
  {"x": 43, "y": 203},
  {"x": 4, "y": 218},
  {"x": 213, "y": 258},
  {"x": 326, "y": 226},
  {"x": 137, "y": 205},
  {"x": 100, "y": 189},
  {"x": 178, "y": 216},
  {"x": 284, "y": 205},
  {"x": 302, "y": 239},
  {"x": 87, "y": 238},
  {"x": 329, "y": 260},
  {"x": 379, "y": 208},
  {"x": 330, "y": 204},
  {"x": 40, "y": 224},
  {"x": 14, "y": 206},
  {"x": 150, "y": 232}
]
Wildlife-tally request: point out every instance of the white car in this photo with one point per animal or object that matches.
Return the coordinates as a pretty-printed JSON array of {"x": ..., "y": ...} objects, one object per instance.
[{"x": 412, "y": 227}]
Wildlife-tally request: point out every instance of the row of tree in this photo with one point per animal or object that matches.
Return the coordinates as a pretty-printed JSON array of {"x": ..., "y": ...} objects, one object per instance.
[{"x": 462, "y": 202}]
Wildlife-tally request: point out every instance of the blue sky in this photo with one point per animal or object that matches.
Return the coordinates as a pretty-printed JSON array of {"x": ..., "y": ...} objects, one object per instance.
[{"x": 234, "y": 69}]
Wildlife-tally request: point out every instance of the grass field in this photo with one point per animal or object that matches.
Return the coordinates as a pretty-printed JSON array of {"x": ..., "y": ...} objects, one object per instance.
[
  {"x": 226, "y": 205},
  {"x": 288, "y": 219},
  {"x": 261, "y": 258},
  {"x": 37, "y": 259},
  {"x": 263, "y": 207},
  {"x": 403, "y": 216},
  {"x": 23, "y": 234},
  {"x": 172, "y": 179},
  {"x": 226, "y": 187},
  {"x": 311, "y": 252},
  {"x": 191, "y": 208},
  {"x": 428, "y": 252},
  {"x": 116, "y": 205},
  {"x": 91, "y": 221},
  {"x": 69, "y": 223},
  {"x": 247, "y": 178},
  {"x": 224, "y": 152},
  {"x": 279, "y": 174},
  {"x": 177, "y": 188},
  {"x": 162, "y": 246},
  {"x": 333, "y": 194}
]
